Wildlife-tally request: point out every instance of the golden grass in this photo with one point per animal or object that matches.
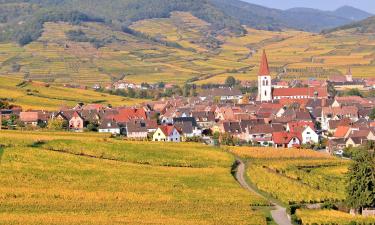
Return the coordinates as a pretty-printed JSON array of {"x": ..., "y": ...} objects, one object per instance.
[
  {"x": 276, "y": 153},
  {"x": 331, "y": 217},
  {"x": 36, "y": 95},
  {"x": 40, "y": 186}
]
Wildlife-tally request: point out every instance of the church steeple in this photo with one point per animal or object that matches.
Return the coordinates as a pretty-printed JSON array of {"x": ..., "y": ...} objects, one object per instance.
[
  {"x": 264, "y": 69},
  {"x": 349, "y": 76},
  {"x": 264, "y": 80}
]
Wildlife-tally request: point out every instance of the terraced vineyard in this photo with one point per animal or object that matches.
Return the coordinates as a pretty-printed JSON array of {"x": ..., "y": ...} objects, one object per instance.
[
  {"x": 295, "y": 176},
  {"x": 66, "y": 178},
  {"x": 36, "y": 95},
  {"x": 202, "y": 57},
  {"x": 331, "y": 217}
]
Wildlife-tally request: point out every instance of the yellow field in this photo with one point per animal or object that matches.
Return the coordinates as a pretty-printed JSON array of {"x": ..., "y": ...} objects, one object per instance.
[
  {"x": 331, "y": 217},
  {"x": 277, "y": 153},
  {"x": 43, "y": 184},
  {"x": 36, "y": 95},
  {"x": 294, "y": 175}
]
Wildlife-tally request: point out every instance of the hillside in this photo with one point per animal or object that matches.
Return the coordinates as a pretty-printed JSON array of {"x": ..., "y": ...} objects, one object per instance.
[
  {"x": 366, "y": 26},
  {"x": 23, "y": 20},
  {"x": 306, "y": 19},
  {"x": 352, "y": 13},
  {"x": 88, "y": 178},
  {"x": 36, "y": 95},
  {"x": 176, "y": 50},
  {"x": 101, "y": 44}
]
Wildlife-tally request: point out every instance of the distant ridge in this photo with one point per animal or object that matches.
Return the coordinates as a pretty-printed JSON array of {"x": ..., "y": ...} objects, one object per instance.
[
  {"x": 364, "y": 26},
  {"x": 306, "y": 19}
]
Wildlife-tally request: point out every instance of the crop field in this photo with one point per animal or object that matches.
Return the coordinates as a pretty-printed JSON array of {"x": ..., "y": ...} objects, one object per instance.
[
  {"x": 295, "y": 176},
  {"x": 331, "y": 217},
  {"x": 88, "y": 178},
  {"x": 36, "y": 95}
]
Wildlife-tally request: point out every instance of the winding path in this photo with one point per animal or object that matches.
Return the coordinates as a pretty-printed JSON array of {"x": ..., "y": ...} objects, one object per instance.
[{"x": 279, "y": 214}]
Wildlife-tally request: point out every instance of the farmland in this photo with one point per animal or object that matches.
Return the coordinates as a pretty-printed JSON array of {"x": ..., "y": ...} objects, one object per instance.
[
  {"x": 310, "y": 177},
  {"x": 304, "y": 177},
  {"x": 67, "y": 178},
  {"x": 37, "y": 95},
  {"x": 200, "y": 57}
]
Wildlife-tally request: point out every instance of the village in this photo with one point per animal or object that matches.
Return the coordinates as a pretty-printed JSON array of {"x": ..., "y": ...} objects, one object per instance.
[{"x": 295, "y": 114}]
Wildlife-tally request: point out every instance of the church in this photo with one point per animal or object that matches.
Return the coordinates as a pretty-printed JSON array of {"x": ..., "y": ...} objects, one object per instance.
[{"x": 266, "y": 93}]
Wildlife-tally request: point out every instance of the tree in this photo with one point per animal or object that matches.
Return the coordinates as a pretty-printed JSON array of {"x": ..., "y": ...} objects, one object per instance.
[
  {"x": 230, "y": 81},
  {"x": 372, "y": 114},
  {"x": 57, "y": 124},
  {"x": 361, "y": 180},
  {"x": 92, "y": 127},
  {"x": 4, "y": 104},
  {"x": 353, "y": 92}
]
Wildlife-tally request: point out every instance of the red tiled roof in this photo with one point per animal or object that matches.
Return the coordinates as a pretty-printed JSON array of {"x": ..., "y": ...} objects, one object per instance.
[
  {"x": 341, "y": 131},
  {"x": 300, "y": 125},
  {"x": 288, "y": 101},
  {"x": 310, "y": 91},
  {"x": 127, "y": 114},
  {"x": 29, "y": 116},
  {"x": 167, "y": 129},
  {"x": 284, "y": 137},
  {"x": 263, "y": 68}
]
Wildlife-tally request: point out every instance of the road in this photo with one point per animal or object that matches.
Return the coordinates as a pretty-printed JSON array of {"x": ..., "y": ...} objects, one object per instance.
[{"x": 279, "y": 214}]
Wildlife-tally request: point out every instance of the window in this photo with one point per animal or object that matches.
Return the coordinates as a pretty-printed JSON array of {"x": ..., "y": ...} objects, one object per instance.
[{"x": 265, "y": 93}]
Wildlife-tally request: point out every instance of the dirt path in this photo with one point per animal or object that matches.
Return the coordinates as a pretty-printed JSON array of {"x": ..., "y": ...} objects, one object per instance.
[{"x": 279, "y": 214}]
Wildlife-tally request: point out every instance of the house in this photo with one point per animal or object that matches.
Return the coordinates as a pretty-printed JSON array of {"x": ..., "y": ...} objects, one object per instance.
[
  {"x": 34, "y": 118},
  {"x": 137, "y": 129},
  {"x": 309, "y": 136},
  {"x": 335, "y": 145},
  {"x": 355, "y": 141},
  {"x": 300, "y": 93},
  {"x": 205, "y": 119},
  {"x": 109, "y": 126},
  {"x": 224, "y": 94},
  {"x": 167, "y": 133},
  {"x": 306, "y": 129},
  {"x": 76, "y": 122},
  {"x": 342, "y": 132},
  {"x": 188, "y": 126},
  {"x": 338, "y": 113},
  {"x": 286, "y": 139},
  {"x": 261, "y": 133}
]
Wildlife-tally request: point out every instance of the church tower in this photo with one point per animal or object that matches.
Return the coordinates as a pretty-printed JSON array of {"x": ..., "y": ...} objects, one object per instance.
[
  {"x": 264, "y": 80},
  {"x": 349, "y": 76}
]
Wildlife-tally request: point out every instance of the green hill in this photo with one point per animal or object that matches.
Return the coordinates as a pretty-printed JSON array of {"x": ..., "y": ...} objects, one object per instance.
[
  {"x": 23, "y": 20},
  {"x": 366, "y": 26}
]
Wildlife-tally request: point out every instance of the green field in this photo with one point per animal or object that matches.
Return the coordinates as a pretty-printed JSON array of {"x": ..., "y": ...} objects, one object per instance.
[{"x": 67, "y": 178}]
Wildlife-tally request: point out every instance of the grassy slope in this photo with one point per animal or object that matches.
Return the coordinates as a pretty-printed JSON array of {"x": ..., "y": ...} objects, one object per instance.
[
  {"x": 49, "y": 187},
  {"x": 36, "y": 96},
  {"x": 301, "y": 176}
]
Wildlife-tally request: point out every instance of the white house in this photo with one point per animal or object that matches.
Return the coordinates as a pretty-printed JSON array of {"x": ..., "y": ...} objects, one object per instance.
[
  {"x": 309, "y": 136},
  {"x": 167, "y": 133},
  {"x": 109, "y": 126}
]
